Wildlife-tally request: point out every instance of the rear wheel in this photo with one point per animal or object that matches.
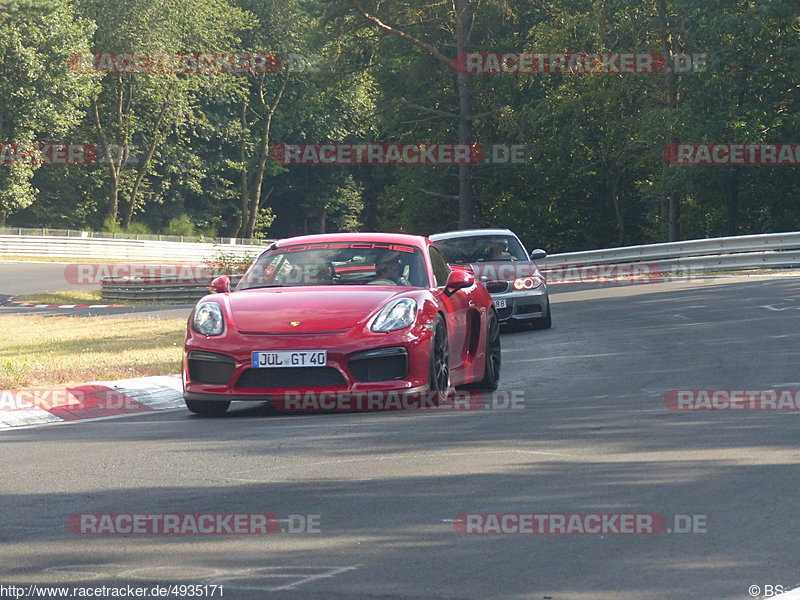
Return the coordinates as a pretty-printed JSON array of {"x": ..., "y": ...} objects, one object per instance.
[
  {"x": 207, "y": 408},
  {"x": 439, "y": 372},
  {"x": 491, "y": 375}
]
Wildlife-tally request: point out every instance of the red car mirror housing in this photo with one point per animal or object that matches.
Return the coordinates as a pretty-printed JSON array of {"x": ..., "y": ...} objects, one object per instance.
[{"x": 221, "y": 284}]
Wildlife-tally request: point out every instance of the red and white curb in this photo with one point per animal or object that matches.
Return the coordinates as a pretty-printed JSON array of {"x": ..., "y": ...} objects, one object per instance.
[
  {"x": 10, "y": 304},
  {"x": 89, "y": 402}
]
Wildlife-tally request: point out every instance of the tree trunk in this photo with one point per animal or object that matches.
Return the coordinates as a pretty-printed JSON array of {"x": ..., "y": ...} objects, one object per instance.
[
  {"x": 617, "y": 198},
  {"x": 244, "y": 193},
  {"x": 674, "y": 216},
  {"x": 733, "y": 201},
  {"x": 112, "y": 201},
  {"x": 466, "y": 207},
  {"x": 463, "y": 14},
  {"x": 3, "y": 217},
  {"x": 370, "y": 213},
  {"x": 143, "y": 167},
  {"x": 263, "y": 153},
  {"x": 670, "y": 209}
]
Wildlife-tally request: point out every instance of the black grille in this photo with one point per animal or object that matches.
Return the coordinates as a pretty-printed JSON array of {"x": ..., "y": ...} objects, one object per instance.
[
  {"x": 496, "y": 287},
  {"x": 210, "y": 368},
  {"x": 523, "y": 308},
  {"x": 291, "y": 377},
  {"x": 386, "y": 364}
]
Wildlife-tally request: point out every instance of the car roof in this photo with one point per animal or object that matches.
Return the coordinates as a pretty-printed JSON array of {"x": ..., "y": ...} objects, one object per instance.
[
  {"x": 395, "y": 238},
  {"x": 469, "y": 233}
]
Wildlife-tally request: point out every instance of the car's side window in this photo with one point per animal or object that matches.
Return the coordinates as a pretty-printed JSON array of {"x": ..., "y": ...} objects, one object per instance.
[{"x": 440, "y": 269}]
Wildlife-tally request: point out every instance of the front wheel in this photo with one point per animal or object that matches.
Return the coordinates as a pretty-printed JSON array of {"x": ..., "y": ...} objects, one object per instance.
[
  {"x": 439, "y": 370},
  {"x": 207, "y": 408},
  {"x": 546, "y": 322},
  {"x": 491, "y": 374}
]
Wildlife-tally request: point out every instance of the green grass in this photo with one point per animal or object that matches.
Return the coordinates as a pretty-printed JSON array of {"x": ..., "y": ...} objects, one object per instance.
[
  {"x": 39, "y": 350},
  {"x": 67, "y": 297}
]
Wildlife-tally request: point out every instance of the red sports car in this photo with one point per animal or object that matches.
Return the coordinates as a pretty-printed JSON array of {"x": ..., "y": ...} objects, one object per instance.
[{"x": 341, "y": 316}]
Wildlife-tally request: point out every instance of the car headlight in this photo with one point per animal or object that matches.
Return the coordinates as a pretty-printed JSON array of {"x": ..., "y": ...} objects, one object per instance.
[
  {"x": 395, "y": 315},
  {"x": 527, "y": 283},
  {"x": 208, "y": 319}
]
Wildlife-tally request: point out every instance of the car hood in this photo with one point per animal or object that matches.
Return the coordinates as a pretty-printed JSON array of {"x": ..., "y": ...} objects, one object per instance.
[
  {"x": 503, "y": 270},
  {"x": 306, "y": 309}
]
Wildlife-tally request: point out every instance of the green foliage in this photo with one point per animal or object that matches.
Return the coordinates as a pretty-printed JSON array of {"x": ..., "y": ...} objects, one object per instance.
[
  {"x": 111, "y": 226},
  {"x": 228, "y": 263},
  {"x": 41, "y": 100},
  {"x": 594, "y": 174},
  {"x": 180, "y": 225},
  {"x": 139, "y": 227},
  {"x": 263, "y": 222}
]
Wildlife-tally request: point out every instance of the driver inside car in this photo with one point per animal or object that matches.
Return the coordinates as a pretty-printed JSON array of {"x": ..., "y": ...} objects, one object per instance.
[
  {"x": 318, "y": 274},
  {"x": 390, "y": 270},
  {"x": 497, "y": 249}
]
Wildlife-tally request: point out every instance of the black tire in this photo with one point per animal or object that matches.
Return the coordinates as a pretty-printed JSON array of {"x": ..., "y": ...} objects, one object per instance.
[
  {"x": 208, "y": 408},
  {"x": 546, "y": 322},
  {"x": 491, "y": 376},
  {"x": 439, "y": 369}
]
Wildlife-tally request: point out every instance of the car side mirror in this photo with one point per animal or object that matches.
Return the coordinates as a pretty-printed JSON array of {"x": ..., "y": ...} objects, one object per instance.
[
  {"x": 538, "y": 254},
  {"x": 459, "y": 278},
  {"x": 221, "y": 284}
]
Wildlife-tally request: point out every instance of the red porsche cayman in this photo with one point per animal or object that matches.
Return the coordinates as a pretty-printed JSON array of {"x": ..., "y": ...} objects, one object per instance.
[{"x": 340, "y": 316}]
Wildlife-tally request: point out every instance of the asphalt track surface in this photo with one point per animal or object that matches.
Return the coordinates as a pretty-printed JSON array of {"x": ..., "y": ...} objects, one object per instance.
[{"x": 593, "y": 436}]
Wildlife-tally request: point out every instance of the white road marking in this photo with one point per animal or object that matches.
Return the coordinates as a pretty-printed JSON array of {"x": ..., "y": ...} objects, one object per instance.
[
  {"x": 230, "y": 581},
  {"x": 775, "y": 308}
]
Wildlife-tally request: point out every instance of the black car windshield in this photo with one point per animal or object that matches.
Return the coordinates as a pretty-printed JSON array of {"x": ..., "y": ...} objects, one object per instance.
[
  {"x": 338, "y": 263},
  {"x": 481, "y": 248}
]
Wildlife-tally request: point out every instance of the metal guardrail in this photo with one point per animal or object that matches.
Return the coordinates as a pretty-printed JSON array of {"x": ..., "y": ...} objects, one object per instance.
[
  {"x": 768, "y": 250},
  {"x": 79, "y": 233},
  {"x": 119, "y": 249},
  {"x": 772, "y": 250},
  {"x": 161, "y": 290}
]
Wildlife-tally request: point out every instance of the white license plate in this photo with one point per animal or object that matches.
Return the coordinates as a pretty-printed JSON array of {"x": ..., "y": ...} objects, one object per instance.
[
  {"x": 287, "y": 358},
  {"x": 500, "y": 303}
]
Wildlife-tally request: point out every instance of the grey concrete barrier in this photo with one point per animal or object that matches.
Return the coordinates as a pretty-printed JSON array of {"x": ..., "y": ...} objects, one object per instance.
[{"x": 158, "y": 290}]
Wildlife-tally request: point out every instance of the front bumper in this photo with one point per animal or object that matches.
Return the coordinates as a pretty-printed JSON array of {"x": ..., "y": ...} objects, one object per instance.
[
  {"x": 522, "y": 305},
  {"x": 220, "y": 368}
]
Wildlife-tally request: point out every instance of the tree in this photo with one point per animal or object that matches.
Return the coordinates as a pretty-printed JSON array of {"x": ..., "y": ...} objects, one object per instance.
[
  {"x": 141, "y": 109},
  {"x": 40, "y": 99}
]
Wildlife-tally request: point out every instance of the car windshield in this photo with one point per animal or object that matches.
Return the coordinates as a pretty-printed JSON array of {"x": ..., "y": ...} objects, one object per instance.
[
  {"x": 481, "y": 248},
  {"x": 338, "y": 263}
]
